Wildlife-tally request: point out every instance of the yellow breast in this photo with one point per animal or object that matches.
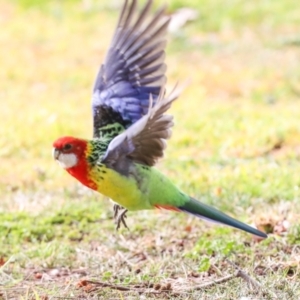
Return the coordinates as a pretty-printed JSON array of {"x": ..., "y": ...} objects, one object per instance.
[{"x": 119, "y": 188}]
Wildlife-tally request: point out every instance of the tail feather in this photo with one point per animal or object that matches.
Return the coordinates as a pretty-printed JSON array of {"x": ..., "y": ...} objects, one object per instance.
[{"x": 209, "y": 213}]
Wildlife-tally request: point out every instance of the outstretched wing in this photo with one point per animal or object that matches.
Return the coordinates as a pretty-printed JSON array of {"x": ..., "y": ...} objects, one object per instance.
[
  {"x": 134, "y": 68},
  {"x": 144, "y": 142}
]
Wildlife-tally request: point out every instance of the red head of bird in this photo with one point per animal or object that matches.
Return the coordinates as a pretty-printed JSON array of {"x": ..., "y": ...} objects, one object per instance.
[{"x": 71, "y": 154}]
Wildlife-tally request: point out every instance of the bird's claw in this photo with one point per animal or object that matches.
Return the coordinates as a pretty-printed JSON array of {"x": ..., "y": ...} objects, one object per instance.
[{"x": 120, "y": 218}]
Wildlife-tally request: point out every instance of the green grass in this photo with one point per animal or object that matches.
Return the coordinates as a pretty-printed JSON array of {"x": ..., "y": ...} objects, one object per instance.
[{"x": 235, "y": 145}]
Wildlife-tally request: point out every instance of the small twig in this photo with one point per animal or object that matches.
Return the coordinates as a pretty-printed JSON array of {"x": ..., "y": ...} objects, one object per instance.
[
  {"x": 134, "y": 289},
  {"x": 248, "y": 279},
  {"x": 211, "y": 283},
  {"x": 112, "y": 286},
  {"x": 257, "y": 286},
  {"x": 245, "y": 276},
  {"x": 141, "y": 290},
  {"x": 126, "y": 289}
]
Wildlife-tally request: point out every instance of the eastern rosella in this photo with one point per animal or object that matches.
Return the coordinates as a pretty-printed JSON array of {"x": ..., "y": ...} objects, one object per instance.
[{"x": 130, "y": 125}]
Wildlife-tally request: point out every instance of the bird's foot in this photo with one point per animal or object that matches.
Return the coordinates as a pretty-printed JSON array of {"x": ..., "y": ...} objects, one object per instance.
[
  {"x": 120, "y": 217},
  {"x": 116, "y": 210}
]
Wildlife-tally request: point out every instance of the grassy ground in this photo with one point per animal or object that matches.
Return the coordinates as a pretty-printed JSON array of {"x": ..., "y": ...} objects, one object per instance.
[{"x": 236, "y": 145}]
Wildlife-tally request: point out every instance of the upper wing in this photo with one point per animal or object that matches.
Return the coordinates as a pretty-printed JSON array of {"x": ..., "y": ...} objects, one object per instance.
[
  {"x": 134, "y": 68},
  {"x": 145, "y": 141}
]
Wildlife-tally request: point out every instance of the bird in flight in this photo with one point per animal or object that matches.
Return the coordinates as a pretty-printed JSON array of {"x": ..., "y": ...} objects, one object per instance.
[{"x": 131, "y": 126}]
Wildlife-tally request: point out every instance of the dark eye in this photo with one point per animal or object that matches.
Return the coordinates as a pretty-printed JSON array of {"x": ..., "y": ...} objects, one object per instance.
[{"x": 67, "y": 147}]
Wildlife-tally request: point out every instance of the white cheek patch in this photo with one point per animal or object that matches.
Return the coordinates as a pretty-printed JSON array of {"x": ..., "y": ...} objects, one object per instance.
[{"x": 68, "y": 160}]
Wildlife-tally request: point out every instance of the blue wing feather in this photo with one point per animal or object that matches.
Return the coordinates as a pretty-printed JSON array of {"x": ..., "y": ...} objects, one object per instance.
[{"x": 134, "y": 68}]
